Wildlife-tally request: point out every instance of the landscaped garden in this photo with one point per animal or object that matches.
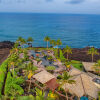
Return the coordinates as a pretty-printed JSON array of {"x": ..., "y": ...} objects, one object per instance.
[
  {"x": 24, "y": 62},
  {"x": 20, "y": 67}
]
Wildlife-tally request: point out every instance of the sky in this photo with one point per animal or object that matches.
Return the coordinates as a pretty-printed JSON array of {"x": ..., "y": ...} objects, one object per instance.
[{"x": 51, "y": 6}]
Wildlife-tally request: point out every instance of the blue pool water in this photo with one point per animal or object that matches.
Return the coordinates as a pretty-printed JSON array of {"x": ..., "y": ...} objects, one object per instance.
[
  {"x": 74, "y": 30},
  {"x": 45, "y": 62}
]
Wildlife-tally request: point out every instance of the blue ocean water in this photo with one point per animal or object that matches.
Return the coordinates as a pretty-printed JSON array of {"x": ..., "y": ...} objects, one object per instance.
[{"x": 74, "y": 30}]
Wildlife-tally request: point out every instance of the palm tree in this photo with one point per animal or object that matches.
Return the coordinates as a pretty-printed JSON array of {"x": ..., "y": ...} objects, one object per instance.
[
  {"x": 30, "y": 40},
  {"x": 93, "y": 52},
  {"x": 58, "y": 42},
  {"x": 52, "y": 42},
  {"x": 21, "y": 41},
  {"x": 47, "y": 39},
  {"x": 97, "y": 66},
  {"x": 68, "y": 50},
  {"x": 65, "y": 78},
  {"x": 30, "y": 71}
]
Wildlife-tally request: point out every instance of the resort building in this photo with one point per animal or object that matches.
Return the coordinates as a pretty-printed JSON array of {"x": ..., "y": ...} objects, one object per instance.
[
  {"x": 84, "y": 84},
  {"x": 88, "y": 66},
  {"x": 47, "y": 79}
]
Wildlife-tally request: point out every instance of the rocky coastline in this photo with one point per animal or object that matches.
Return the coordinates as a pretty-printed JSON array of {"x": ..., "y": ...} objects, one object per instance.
[
  {"x": 79, "y": 54},
  {"x": 5, "y": 47}
]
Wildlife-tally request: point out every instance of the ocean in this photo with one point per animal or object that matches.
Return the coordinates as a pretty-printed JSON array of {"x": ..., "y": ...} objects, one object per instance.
[{"x": 75, "y": 30}]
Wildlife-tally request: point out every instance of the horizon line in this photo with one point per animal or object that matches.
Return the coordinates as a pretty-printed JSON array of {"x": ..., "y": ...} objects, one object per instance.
[{"x": 49, "y": 13}]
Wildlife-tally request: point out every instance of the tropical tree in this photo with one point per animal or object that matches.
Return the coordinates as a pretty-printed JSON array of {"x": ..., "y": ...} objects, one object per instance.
[
  {"x": 40, "y": 95},
  {"x": 12, "y": 61},
  {"x": 68, "y": 50},
  {"x": 29, "y": 72},
  {"x": 21, "y": 41},
  {"x": 64, "y": 79},
  {"x": 93, "y": 52},
  {"x": 97, "y": 67},
  {"x": 53, "y": 43},
  {"x": 61, "y": 56},
  {"x": 47, "y": 39},
  {"x": 14, "y": 50},
  {"x": 58, "y": 44},
  {"x": 30, "y": 40},
  {"x": 16, "y": 44}
]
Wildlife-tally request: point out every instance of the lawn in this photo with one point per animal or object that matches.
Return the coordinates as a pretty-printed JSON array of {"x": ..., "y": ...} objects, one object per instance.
[{"x": 77, "y": 64}]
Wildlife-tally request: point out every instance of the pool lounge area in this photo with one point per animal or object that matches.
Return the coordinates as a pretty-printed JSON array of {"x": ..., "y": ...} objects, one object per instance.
[{"x": 43, "y": 58}]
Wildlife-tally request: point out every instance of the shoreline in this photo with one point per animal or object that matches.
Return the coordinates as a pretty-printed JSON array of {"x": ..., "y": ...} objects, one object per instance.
[{"x": 79, "y": 54}]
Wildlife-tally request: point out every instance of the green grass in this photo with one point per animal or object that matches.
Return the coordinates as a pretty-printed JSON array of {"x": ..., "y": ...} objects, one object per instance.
[
  {"x": 50, "y": 68},
  {"x": 77, "y": 64}
]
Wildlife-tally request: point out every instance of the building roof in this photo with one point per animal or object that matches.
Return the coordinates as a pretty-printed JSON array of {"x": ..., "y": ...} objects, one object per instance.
[
  {"x": 88, "y": 66},
  {"x": 74, "y": 71},
  {"x": 43, "y": 77},
  {"x": 52, "y": 84},
  {"x": 83, "y": 85}
]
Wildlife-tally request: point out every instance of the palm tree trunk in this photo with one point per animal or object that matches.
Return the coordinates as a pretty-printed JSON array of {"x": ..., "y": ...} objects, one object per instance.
[
  {"x": 66, "y": 94},
  {"x": 92, "y": 57},
  {"x": 67, "y": 56},
  {"x": 47, "y": 44},
  {"x": 58, "y": 52},
  {"x": 29, "y": 86},
  {"x": 66, "y": 97}
]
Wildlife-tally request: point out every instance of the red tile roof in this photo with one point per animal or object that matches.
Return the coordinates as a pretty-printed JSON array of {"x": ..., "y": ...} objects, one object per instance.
[{"x": 52, "y": 84}]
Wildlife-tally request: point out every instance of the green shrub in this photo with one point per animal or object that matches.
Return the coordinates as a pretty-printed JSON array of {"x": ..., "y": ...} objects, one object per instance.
[
  {"x": 50, "y": 58},
  {"x": 30, "y": 97},
  {"x": 99, "y": 95},
  {"x": 3, "y": 69},
  {"x": 56, "y": 53},
  {"x": 37, "y": 59},
  {"x": 49, "y": 68},
  {"x": 12, "y": 86},
  {"x": 59, "y": 77},
  {"x": 62, "y": 58}
]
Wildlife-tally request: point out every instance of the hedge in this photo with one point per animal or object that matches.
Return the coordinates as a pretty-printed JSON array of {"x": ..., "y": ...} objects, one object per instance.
[{"x": 3, "y": 70}]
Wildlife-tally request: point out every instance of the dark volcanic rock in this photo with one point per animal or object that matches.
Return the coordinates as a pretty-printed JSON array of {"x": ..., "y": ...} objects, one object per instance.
[
  {"x": 6, "y": 44},
  {"x": 5, "y": 47},
  {"x": 81, "y": 55}
]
